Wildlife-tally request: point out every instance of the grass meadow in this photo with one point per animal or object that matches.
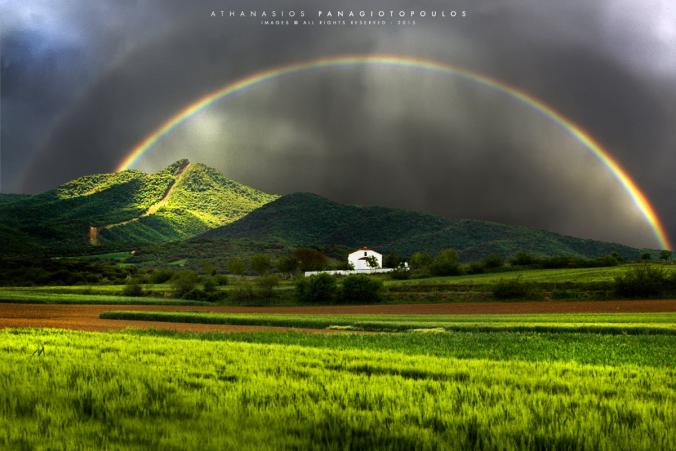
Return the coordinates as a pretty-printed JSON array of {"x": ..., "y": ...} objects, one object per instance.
[
  {"x": 609, "y": 323},
  {"x": 411, "y": 390}
]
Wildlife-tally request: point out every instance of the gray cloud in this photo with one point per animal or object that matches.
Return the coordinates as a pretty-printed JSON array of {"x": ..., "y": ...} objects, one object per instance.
[{"x": 363, "y": 135}]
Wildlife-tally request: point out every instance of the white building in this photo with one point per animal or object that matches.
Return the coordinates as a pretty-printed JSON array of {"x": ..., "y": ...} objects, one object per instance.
[{"x": 360, "y": 258}]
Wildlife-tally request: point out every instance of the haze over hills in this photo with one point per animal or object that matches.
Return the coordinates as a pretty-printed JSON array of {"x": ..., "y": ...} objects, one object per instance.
[{"x": 198, "y": 206}]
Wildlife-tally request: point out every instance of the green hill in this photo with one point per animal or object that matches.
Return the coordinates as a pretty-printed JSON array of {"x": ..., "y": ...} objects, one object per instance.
[
  {"x": 188, "y": 210},
  {"x": 304, "y": 219},
  {"x": 124, "y": 209}
]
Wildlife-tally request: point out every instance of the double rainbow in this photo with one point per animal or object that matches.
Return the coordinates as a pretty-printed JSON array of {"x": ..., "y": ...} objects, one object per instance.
[{"x": 639, "y": 199}]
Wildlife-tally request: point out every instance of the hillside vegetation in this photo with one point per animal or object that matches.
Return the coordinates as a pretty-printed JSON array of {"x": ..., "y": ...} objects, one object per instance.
[
  {"x": 128, "y": 208},
  {"x": 305, "y": 219}
]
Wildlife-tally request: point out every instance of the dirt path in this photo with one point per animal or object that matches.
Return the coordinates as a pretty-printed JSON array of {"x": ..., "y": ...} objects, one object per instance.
[
  {"x": 86, "y": 317},
  {"x": 180, "y": 173}
]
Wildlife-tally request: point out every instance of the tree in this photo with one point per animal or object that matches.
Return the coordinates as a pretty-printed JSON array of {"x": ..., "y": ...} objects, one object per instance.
[
  {"x": 523, "y": 259},
  {"x": 361, "y": 289},
  {"x": 266, "y": 285},
  {"x": 392, "y": 260},
  {"x": 646, "y": 256},
  {"x": 261, "y": 264},
  {"x": 133, "y": 289},
  {"x": 494, "y": 261},
  {"x": 320, "y": 288},
  {"x": 236, "y": 266},
  {"x": 208, "y": 268},
  {"x": 287, "y": 264},
  {"x": 643, "y": 281},
  {"x": 209, "y": 285},
  {"x": 446, "y": 263},
  {"x": 310, "y": 259},
  {"x": 184, "y": 282},
  {"x": 421, "y": 260},
  {"x": 372, "y": 261},
  {"x": 665, "y": 255}
]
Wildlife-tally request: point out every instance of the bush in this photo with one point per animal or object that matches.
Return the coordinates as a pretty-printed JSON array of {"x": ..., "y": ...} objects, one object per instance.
[
  {"x": 361, "y": 289},
  {"x": 644, "y": 281},
  {"x": 392, "y": 260},
  {"x": 523, "y": 259},
  {"x": 184, "y": 282},
  {"x": 243, "y": 291},
  {"x": 476, "y": 268},
  {"x": 209, "y": 284},
  {"x": 513, "y": 289},
  {"x": 133, "y": 289},
  {"x": 221, "y": 280},
  {"x": 310, "y": 259},
  {"x": 446, "y": 263},
  {"x": 400, "y": 274},
  {"x": 494, "y": 262},
  {"x": 261, "y": 264},
  {"x": 287, "y": 264},
  {"x": 421, "y": 260},
  {"x": 236, "y": 266},
  {"x": 266, "y": 285},
  {"x": 320, "y": 288},
  {"x": 161, "y": 275}
]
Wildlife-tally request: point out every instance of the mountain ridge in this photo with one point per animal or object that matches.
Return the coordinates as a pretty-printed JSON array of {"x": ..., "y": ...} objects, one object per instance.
[
  {"x": 306, "y": 219},
  {"x": 193, "y": 203},
  {"x": 125, "y": 209}
]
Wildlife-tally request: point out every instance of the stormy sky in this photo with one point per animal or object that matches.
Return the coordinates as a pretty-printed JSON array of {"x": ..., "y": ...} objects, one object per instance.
[{"x": 83, "y": 81}]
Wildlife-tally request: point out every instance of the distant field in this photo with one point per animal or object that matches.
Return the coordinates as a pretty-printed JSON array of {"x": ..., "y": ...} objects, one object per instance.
[
  {"x": 612, "y": 323},
  {"x": 66, "y": 390},
  {"x": 47, "y": 296},
  {"x": 576, "y": 275},
  {"x": 561, "y": 284}
]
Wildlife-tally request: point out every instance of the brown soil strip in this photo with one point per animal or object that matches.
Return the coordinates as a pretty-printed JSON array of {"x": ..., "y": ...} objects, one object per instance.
[{"x": 86, "y": 316}]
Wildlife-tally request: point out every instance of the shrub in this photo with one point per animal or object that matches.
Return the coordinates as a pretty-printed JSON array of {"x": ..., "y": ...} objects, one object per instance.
[
  {"x": 644, "y": 281},
  {"x": 133, "y": 289},
  {"x": 320, "y": 288},
  {"x": 221, "y": 280},
  {"x": 400, "y": 274},
  {"x": 242, "y": 291},
  {"x": 513, "y": 289},
  {"x": 184, "y": 282},
  {"x": 494, "y": 262},
  {"x": 236, "y": 266},
  {"x": 421, "y": 260},
  {"x": 476, "y": 268},
  {"x": 523, "y": 259},
  {"x": 361, "y": 289},
  {"x": 310, "y": 259},
  {"x": 209, "y": 284},
  {"x": 392, "y": 260},
  {"x": 446, "y": 263},
  {"x": 261, "y": 264},
  {"x": 161, "y": 275},
  {"x": 287, "y": 264},
  {"x": 266, "y": 285}
]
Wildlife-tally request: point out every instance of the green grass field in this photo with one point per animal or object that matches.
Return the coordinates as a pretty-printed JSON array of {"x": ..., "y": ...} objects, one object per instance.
[
  {"x": 559, "y": 284},
  {"x": 565, "y": 275},
  {"x": 48, "y": 296},
  {"x": 140, "y": 390},
  {"x": 613, "y": 323}
]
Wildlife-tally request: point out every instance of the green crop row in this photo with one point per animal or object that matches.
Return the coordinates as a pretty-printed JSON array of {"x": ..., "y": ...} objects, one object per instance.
[
  {"x": 74, "y": 390},
  {"x": 398, "y": 323}
]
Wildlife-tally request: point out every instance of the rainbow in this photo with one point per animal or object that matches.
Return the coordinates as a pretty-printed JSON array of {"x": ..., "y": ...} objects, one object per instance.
[{"x": 632, "y": 189}]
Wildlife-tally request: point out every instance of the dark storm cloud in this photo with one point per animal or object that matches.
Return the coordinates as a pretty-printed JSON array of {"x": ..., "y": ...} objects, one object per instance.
[{"x": 140, "y": 61}]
